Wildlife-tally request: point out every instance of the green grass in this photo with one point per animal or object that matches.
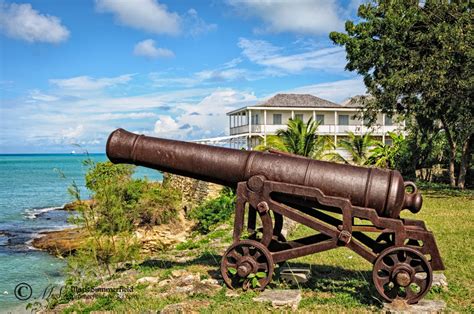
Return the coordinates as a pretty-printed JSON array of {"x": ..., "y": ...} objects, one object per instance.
[{"x": 341, "y": 280}]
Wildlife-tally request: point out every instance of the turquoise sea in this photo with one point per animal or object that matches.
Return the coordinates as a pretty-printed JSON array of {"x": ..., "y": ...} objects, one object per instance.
[{"x": 33, "y": 189}]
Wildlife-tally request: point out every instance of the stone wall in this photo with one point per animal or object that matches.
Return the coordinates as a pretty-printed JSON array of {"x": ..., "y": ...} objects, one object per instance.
[{"x": 193, "y": 191}]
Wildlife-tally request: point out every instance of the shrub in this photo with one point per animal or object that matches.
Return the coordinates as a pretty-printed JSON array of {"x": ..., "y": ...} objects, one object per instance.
[
  {"x": 158, "y": 204},
  {"x": 121, "y": 203},
  {"x": 214, "y": 211}
]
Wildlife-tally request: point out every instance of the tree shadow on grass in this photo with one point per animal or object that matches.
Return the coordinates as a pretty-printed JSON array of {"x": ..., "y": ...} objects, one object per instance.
[
  {"x": 336, "y": 285},
  {"x": 329, "y": 283},
  {"x": 205, "y": 259}
]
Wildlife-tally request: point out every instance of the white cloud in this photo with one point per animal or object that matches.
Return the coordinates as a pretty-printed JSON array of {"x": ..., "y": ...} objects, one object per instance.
[
  {"x": 264, "y": 53},
  {"x": 147, "y": 48},
  {"x": 21, "y": 21},
  {"x": 335, "y": 91},
  {"x": 197, "y": 25},
  {"x": 206, "y": 118},
  {"x": 118, "y": 116},
  {"x": 87, "y": 83},
  {"x": 39, "y": 96},
  {"x": 148, "y": 15},
  {"x": 316, "y": 17},
  {"x": 72, "y": 133},
  {"x": 221, "y": 75},
  {"x": 166, "y": 125}
]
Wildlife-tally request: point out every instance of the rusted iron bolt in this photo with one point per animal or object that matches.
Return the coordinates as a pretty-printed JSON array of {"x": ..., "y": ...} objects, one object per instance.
[
  {"x": 403, "y": 278},
  {"x": 255, "y": 183},
  {"x": 345, "y": 236},
  {"x": 262, "y": 207},
  {"x": 243, "y": 270}
]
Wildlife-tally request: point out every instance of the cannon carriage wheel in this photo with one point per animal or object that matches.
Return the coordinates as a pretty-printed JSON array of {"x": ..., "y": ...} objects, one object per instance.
[
  {"x": 247, "y": 264},
  {"x": 402, "y": 273}
]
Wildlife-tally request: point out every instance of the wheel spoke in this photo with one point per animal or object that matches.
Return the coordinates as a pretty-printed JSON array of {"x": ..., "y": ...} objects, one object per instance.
[
  {"x": 235, "y": 255},
  {"x": 257, "y": 255},
  {"x": 419, "y": 269},
  {"x": 245, "y": 250},
  {"x": 262, "y": 266},
  {"x": 410, "y": 293},
  {"x": 386, "y": 267},
  {"x": 421, "y": 283},
  {"x": 383, "y": 280},
  {"x": 392, "y": 258}
]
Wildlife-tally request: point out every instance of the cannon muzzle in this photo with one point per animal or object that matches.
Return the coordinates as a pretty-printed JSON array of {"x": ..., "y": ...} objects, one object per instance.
[{"x": 381, "y": 189}]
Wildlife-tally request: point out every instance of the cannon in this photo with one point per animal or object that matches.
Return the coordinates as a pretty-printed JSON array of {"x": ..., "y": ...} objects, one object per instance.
[{"x": 346, "y": 206}]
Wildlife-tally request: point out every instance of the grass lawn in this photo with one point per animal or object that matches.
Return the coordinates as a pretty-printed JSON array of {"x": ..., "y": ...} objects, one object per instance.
[{"x": 341, "y": 280}]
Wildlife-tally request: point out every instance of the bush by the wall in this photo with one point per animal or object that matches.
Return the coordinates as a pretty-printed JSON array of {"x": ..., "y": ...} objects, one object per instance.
[{"x": 214, "y": 211}]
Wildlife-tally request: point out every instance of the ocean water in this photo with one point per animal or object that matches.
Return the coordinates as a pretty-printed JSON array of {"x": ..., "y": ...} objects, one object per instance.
[{"x": 33, "y": 189}]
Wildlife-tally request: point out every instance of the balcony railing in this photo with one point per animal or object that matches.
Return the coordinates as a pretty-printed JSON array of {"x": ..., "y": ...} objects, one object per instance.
[{"x": 326, "y": 129}]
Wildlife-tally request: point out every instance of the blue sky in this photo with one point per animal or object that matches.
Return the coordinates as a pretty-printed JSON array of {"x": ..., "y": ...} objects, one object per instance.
[{"x": 72, "y": 71}]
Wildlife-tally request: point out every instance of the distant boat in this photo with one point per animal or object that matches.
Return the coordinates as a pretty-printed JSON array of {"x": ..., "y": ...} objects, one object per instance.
[{"x": 73, "y": 152}]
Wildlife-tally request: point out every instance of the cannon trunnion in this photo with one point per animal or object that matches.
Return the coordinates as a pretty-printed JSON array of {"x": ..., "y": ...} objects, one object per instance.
[{"x": 344, "y": 204}]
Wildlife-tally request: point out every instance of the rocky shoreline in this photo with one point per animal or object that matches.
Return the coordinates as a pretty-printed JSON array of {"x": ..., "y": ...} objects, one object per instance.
[
  {"x": 64, "y": 242},
  {"x": 60, "y": 243}
]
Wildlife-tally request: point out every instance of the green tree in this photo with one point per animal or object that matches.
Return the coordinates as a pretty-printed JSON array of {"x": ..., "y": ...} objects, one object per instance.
[
  {"x": 385, "y": 155},
  {"x": 299, "y": 138},
  {"x": 358, "y": 147},
  {"x": 416, "y": 58}
]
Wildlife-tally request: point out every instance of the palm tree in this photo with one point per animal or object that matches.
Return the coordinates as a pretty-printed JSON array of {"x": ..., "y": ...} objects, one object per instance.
[
  {"x": 358, "y": 147},
  {"x": 384, "y": 155},
  {"x": 299, "y": 138}
]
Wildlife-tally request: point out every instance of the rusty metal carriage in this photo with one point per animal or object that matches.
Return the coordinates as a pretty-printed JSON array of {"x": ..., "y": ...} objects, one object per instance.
[{"x": 346, "y": 206}]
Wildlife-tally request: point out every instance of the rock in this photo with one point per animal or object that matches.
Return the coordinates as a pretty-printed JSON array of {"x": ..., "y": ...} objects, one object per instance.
[
  {"x": 148, "y": 280},
  {"x": 440, "y": 280},
  {"x": 210, "y": 281},
  {"x": 62, "y": 243},
  {"x": 295, "y": 276},
  {"x": 281, "y": 298},
  {"x": 164, "y": 283},
  {"x": 184, "y": 289},
  {"x": 188, "y": 279},
  {"x": 423, "y": 306},
  {"x": 288, "y": 227},
  {"x": 185, "y": 307},
  {"x": 179, "y": 273},
  {"x": 193, "y": 192},
  {"x": 73, "y": 206}
]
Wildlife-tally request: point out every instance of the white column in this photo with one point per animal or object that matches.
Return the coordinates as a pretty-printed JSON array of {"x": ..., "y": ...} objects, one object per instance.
[
  {"x": 264, "y": 127},
  {"x": 292, "y": 114},
  {"x": 314, "y": 115},
  {"x": 249, "y": 117},
  {"x": 335, "y": 127}
]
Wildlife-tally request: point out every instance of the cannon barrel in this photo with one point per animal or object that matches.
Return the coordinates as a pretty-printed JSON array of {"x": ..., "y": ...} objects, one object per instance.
[{"x": 380, "y": 189}]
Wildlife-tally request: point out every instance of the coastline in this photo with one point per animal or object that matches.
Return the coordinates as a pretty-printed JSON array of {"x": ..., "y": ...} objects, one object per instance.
[{"x": 63, "y": 241}]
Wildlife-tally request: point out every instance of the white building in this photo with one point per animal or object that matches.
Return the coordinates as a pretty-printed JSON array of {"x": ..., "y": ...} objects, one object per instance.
[{"x": 249, "y": 126}]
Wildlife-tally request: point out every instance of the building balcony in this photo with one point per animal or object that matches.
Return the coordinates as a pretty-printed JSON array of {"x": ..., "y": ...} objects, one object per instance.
[{"x": 326, "y": 129}]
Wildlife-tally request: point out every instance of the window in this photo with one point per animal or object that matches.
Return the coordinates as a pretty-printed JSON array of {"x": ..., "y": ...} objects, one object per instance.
[
  {"x": 255, "y": 119},
  {"x": 320, "y": 119},
  {"x": 388, "y": 120},
  {"x": 366, "y": 121},
  {"x": 299, "y": 116},
  {"x": 343, "y": 119},
  {"x": 277, "y": 118}
]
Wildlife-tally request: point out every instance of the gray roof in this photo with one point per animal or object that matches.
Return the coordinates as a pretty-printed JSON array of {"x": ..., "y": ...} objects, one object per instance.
[
  {"x": 357, "y": 101},
  {"x": 305, "y": 101}
]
